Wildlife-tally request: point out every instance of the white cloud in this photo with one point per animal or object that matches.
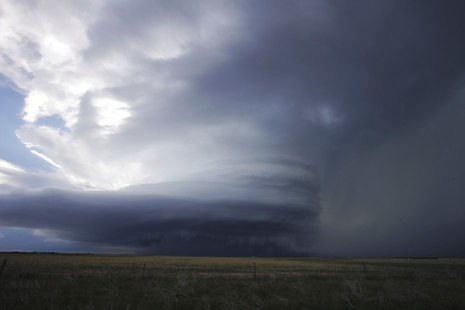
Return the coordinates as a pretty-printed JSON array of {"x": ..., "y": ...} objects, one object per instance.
[
  {"x": 7, "y": 173},
  {"x": 111, "y": 113},
  {"x": 122, "y": 76},
  {"x": 9, "y": 167},
  {"x": 13, "y": 177},
  {"x": 71, "y": 60},
  {"x": 322, "y": 114}
]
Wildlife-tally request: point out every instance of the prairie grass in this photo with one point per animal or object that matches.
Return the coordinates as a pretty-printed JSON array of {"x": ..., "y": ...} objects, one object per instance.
[{"x": 56, "y": 281}]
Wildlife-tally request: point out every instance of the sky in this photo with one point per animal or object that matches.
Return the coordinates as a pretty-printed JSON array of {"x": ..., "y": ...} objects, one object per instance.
[{"x": 233, "y": 128}]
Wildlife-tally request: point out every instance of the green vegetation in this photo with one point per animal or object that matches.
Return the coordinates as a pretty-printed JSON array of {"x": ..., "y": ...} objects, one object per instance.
[{"x": 55, "y": 281}]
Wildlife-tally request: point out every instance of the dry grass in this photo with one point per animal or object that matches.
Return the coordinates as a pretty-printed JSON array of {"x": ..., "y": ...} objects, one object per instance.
[{"x": 33, "y": 281}]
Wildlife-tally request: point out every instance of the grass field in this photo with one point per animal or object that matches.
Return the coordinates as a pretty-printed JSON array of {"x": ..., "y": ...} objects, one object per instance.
[{"x": 56, "y": 281}]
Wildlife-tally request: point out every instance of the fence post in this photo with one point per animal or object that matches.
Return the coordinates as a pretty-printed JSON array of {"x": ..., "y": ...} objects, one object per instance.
[
  {"x": 254, "y": 269},
  {"x": 143, "y": 272},
  {"x": 3, "y": 266}
]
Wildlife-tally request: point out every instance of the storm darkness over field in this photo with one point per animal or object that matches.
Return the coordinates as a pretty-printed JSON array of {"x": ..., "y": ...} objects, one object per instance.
[{"x": 233, "y": 127}]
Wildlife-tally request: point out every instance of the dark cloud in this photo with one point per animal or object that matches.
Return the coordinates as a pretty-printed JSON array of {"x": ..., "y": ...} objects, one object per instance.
[
  {"x": 402, "y": 196},
  {"x": 153, "y": 224},
  {"x": 378, "y": 65}
]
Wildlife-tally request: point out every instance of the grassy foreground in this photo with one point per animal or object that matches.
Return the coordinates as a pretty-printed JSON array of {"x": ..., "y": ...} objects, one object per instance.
[{"x": 55, "y": 281}]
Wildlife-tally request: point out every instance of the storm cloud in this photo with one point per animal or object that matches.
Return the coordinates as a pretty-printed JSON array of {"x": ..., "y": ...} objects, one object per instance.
[
  {"x": 147, "y": 223},
  {"x": 240, "y": 128}
]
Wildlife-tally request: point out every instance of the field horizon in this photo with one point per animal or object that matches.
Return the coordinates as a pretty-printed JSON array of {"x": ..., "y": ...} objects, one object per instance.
[
  {"x": 225, "y": 256},
  {"x": 116, "y": 281}
]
